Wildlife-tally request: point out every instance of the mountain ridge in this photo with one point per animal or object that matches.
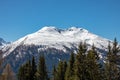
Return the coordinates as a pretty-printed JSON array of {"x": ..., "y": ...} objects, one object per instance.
[
  {"x": 56, "y": 44},
  {"x": 3, "y": 43}
]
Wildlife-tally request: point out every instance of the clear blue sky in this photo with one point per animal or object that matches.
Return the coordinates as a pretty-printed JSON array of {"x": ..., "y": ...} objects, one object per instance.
[{"x": 21, "y": 17}]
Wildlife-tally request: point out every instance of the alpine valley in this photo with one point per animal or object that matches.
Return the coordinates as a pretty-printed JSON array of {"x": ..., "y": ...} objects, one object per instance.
[{"x": 56, "y": 44}]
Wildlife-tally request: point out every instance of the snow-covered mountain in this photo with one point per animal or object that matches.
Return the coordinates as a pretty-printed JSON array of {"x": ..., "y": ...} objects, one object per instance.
[{"x": 54, "y": 43}]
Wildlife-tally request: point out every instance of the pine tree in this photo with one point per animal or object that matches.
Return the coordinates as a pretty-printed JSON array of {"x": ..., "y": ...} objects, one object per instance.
[
  {"x": 70, "y": 71},
  {"x": 28, "y": 70},
  {"x": 42, "y": 73},
  {"x": 25, "y": 71},
  {"x": 54, "y": 73},
  {"x": 80, "y": 65},
  {"x": 21, "y": 73},
  {"x": 115, "y": 48},
  {"x": 64, "y": 68},
  {"x": 34, "y": 69},
  {"x": 86, "y": 65},
  {"x": 61, "y": 69},
  {"x": 108, "y": 75},
  {"x": 92, "y": 66},
  {"x": 112, "y": 70}
]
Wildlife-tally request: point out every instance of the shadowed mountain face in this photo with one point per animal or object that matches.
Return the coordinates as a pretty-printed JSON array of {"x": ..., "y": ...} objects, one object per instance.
[
  {"x": 56, "y": 44},
  {"x": 3, "y": 43}
]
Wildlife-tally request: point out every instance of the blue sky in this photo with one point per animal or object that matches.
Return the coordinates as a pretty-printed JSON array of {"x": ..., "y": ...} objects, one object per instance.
[{"x": 21, "y": 17}]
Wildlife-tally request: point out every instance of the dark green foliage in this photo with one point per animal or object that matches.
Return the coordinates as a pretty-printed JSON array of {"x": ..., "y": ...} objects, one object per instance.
[
  {"x": 92, "y": 65},
  {"x": 42, "y": 73},
  {"x": 60, "y": 73},
  {"x": 27, "y": 71},
  {"x": 61, "y": 69},
  {"x": 64, "y": 67},
  {"x": 79, "y": 66},
  {"x": 112, "y": 71},
  {"x": 86, "y": 66},
  {"x": 54, "y": 73},
  {"x": 70, "y": 71},
  {"x": 21, "y": 73},
  {"x": 115, "y": 48},
  {"x": 34, "y": 69}
]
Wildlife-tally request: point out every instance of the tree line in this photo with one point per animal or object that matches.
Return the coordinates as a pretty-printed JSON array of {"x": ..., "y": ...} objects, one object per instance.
[{"x": 84, "y": 65}]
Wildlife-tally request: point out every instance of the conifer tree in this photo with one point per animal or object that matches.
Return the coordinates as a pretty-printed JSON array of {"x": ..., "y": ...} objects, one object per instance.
[
  {"x": 42, "y": 73},
  {"x": 92, "y": 66},
  {"x": 70, "y": 71},
  {"x": 25, "y": 71},
  {"x": 80, "y": 65},
  {"x": 61, "y": 70},
  {"x": 112, "y": 70},
  {"x": 28, "y": 70},
  {"x": 54, "y": 73},
  {"x": 34, "y": 69},
  {"x": 21, "y": 73},
  {"x": 108, "y": 75},
  {"x": 64, "y": 68}
]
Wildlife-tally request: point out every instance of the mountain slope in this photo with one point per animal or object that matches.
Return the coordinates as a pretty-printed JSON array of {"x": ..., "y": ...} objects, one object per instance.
[
  {"x": 57, "y": 38},
  {"x": 54, "y": 43},
  {"x": 3, "y": 43}
]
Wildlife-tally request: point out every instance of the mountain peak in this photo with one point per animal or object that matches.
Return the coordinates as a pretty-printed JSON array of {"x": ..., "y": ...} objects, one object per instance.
[
  {"x": 49, "y": 29},
  {"x": 55, "y": 29}
]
